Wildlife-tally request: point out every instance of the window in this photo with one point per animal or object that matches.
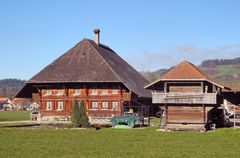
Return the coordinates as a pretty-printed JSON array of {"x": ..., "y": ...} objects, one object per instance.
[
  {"x": 104, "y": 91},
  {"x": 114, "y": 91},
  {"x": 104, "y": 105},
  {"x": 94, "y": 105},
  {"x": 48, "y": 92},
  {"x": 114, "y": 105},
  {"x": 48, "y": 105},
  {"x": 77, "y": 91},
  {"x": 60, "y": 105},
  {"x": 60, "y": 92},
  {"x": 94, "y": 91}
]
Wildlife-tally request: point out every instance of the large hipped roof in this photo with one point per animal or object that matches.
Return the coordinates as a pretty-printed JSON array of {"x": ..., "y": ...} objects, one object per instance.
[{"x": 91, "y": 62}]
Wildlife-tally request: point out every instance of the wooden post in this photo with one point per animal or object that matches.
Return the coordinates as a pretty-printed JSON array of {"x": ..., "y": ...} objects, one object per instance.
[
  {"x": 148, "y": 115},
  {"x": 234, "y": 121},
  {"x": 204, "y": 114},
  {"x": 142, "y": 116},
  {"x": 166, "y": 113},
  {"x": 165, "y": 87},
  {"x": 202, "y": 86}
]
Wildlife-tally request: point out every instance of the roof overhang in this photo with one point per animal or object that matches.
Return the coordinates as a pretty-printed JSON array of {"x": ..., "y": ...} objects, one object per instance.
[{"x": 201, "y": 79}]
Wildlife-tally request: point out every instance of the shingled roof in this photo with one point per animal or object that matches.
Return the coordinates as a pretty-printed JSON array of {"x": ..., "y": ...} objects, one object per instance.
[
  {"x": 91, "y": 62},
  {"x": 186, "y": 71}
]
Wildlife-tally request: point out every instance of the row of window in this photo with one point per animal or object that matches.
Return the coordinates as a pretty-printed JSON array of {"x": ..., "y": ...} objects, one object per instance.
[
  {"x": 60, "y": 105},
  {"x": 105, "y": 105},
  {"x": 94, "y": 105},
  {"x": 78, "y": 91}
]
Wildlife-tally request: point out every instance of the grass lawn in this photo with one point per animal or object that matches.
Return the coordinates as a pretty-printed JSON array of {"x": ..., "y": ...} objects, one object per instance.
[
  {"x": 14, "y": 115},
  {"x": 68, "y": 143},
  {"x": 153, "y": 120}
]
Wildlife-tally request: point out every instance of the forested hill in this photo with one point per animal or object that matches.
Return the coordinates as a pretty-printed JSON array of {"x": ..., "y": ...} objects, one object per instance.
[
  {"x": 220, "y": 62},
  {"x": 9, "y": 87},
  {"x": 225, "y": 71}
]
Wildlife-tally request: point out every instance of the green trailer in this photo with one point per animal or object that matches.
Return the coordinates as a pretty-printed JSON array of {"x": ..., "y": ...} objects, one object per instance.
[{"x": 125, "y": 120}]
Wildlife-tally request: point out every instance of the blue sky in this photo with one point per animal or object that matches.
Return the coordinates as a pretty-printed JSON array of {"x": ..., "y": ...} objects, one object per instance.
[{"x": 148, "y": 34}]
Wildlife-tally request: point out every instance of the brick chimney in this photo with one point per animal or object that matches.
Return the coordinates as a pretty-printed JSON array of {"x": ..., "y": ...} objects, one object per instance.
[{"x": 97, "y": 36}]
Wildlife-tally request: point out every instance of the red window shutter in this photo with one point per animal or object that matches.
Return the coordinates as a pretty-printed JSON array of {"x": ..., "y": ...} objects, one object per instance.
[
  {"x": 65, "y": 106},
  {"x": 43, "y": 105}
]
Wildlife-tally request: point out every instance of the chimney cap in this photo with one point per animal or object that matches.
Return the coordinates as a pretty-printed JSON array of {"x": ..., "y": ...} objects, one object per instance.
[{"x": 96, "y": 30}]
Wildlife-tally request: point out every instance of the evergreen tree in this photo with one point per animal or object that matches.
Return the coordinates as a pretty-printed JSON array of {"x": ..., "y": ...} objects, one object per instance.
[
  {"x": 84, "y": 121},
  {"x": 79, "y": 117},
  {"x": 75, "y": 114}
]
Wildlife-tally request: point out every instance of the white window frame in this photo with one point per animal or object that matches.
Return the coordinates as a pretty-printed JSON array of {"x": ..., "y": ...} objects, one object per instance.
[
  {"x": 114, "y": 104},
  {"x": 60, "y": 92},
  {"x": 114, "y": 91},
  {"x": 94, "y": 91},
  {"x": 106, "y": 104},
  {"x": 49, "y": 105},
  {"x": 77, "y": 91},
  {"x": 96, "y": 103},
  {"x": 104, "y": 91},
  {"x": 48, "y": 92},
  {"x": 58, "y": 106}
]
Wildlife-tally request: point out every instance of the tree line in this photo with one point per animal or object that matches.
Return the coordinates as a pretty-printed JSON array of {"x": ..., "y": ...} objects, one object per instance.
[
  {"x": 216, "y": 62},
  {"x": 9, "y": 87}
]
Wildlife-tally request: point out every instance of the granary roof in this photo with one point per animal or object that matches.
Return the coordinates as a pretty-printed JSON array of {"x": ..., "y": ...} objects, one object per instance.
[
  {"x": 91, "y": 62},
  {"x": 186, "y": 71}
]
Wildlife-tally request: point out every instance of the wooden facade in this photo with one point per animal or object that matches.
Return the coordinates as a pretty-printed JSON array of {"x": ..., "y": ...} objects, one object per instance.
[
  {"x": 56, "y": 103},
  {"x": 187, "y": 96}
]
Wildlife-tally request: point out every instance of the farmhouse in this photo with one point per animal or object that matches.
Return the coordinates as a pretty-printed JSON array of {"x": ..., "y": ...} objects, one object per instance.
[
  {"x": 94, "y": 73},
  {"x": 188, "y": 96}
]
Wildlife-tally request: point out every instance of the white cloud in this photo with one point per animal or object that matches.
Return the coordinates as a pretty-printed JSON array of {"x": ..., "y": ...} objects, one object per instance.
[{"x": 147, "y": 60}]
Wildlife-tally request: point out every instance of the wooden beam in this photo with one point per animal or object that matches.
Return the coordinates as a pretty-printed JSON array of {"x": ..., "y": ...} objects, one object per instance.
[
  {"x": 166, "y": 113},
  {"x": 234, "y": 120},
  {"x": 204, "y": 113},
  {"x": 165, "y": 87}
]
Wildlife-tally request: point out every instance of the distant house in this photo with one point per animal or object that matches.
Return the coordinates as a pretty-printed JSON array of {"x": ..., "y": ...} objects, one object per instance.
[
  {"x": 5, "y": 101},
  {"x": 5, "y": 104},
  {"x": 22, "y": 103},
  {"x": 94, "y": 73},
  {"x": 188, "y": 97}
]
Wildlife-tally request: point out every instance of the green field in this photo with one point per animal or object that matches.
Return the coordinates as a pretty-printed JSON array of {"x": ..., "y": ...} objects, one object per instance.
[
  {"x": 14, "y": 115},
  {"x": 104, "y": 143}
]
